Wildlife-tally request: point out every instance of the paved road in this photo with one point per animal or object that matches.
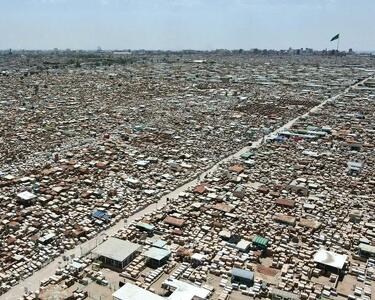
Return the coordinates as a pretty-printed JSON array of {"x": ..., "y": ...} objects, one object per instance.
[{"x": 33, "y": 282}]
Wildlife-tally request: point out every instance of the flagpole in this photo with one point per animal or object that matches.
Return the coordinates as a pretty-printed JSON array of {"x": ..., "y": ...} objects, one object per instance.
[{"x": 337, "y": 49}]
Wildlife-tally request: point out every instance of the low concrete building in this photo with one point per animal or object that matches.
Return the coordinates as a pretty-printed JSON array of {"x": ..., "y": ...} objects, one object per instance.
[
  {"x": 366, "y": 250},
  {"x": 26, "y": 198},
  {"x": 354, "y": 167},
  {"x": 242, "y": 276},
  {"x": 131, "y": 291},
  {"x": 185, "y": 291},
  {"x": 47, "y": 238},
  {"x": 174, "y": 221},
  {"x": 197, "y": 259},
  {"x": 157, "y": 257},
  {"x": 243, "y": 245},
  {"x": 180, "y": 291},
  {"x": 145, "y": 227},
  {"x": 116, "y": 253},
  {"x": 330, "y": 261},
  {"x": 278, "y": 294}
]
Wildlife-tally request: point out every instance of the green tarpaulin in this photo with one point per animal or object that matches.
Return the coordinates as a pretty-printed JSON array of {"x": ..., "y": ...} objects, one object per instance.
[{"x": 260, "y": 241}]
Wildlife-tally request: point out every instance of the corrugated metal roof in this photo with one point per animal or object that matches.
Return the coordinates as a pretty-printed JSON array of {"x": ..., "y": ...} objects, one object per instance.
[{"x": 260, "y": 241}]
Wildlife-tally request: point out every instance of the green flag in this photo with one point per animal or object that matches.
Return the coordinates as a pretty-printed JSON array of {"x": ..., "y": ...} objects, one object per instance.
[{"x": 335, "y": 37}]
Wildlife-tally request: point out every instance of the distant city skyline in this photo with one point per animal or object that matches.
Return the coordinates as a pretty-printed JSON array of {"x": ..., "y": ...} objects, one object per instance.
[{"x": 186, "y": 24}]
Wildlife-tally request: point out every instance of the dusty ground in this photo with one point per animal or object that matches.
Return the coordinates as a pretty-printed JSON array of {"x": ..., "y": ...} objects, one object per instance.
[{"x": 347, "y": 285}]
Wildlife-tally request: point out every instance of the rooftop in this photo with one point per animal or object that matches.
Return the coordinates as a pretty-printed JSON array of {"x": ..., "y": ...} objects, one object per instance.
[
  {"x": 260, "y": 240},
  {"x": 26, "y": 195},
  {"x": 116, "y": 249},
  {"x": 284, "y": 294},
  {"x": 242, "y": 273},
  {"x": 367, "y": 248},
  {"x": 157, "y": 253},
  {"x": 186, "y": 291},
  {"x": 182, "y": 291},
  {"x": 130, "y": 291},
  {"x": 330, "y": 258}
]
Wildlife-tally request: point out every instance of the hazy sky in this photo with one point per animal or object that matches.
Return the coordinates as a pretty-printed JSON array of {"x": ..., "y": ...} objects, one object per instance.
[{"x": 186, "y": 24}]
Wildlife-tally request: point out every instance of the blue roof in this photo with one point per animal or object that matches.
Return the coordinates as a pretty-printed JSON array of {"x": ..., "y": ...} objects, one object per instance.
[
  {"x": 280, "y": 138},
  {"x": 100, "y": 214}
]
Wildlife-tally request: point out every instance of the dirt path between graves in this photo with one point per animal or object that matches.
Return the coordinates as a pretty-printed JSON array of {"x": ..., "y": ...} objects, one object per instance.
[{"x": 32, "y": 283}]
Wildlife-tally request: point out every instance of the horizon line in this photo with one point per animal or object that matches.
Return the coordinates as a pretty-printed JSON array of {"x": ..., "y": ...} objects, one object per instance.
[{"x": 174, "y": 50}]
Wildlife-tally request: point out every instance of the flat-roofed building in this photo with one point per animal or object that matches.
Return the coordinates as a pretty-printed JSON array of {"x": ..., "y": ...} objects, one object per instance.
[
  {"x": 366, "y": 250},
  {"x": 180, "y": 291},
  {"x": 174, "y": 221},
  {"x": 309, "y": 223},
  {"x": 242, "y": 276},
  {"x": 285, "y": 202},
  {"x": 243, "y": 245},
  {"x": 116, "y": 253},
  {"x": 26, "y": 197},
  {"x": 330, "y": 261},
  {"x": 278, "y": 294},
  {"x": 159, "y": 244},
  {"x": 354, "y": 167},
  {"x": 156, "y": 257},
  {"x": 133, "y": 292},
  {"x": 285, "y": 219},
  {"x": 145, "y": 227},
  {"x": 185, "y": 291}
]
